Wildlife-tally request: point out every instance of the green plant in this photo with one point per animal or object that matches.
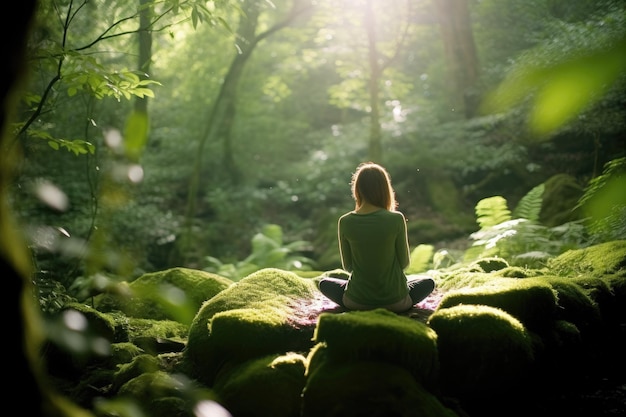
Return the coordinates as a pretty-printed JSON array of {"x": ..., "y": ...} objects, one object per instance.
[
  {"x": 268, "y": 251},
  {"x": 604, "y": 202},
  {"x": 421, "y": 259},
  {"x": 517, "y": 236}
]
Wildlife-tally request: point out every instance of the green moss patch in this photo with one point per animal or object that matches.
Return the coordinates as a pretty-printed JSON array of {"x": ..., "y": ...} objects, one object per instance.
[
  {"x": 575, "y": 306},
  {"x": 266, "y": 386},
  {"x": 172, "y": 294},
  {"x": 160, "y": 394},
  {"x": 531, "y": 300},
  {"x": 483, "y": 351},
  {"x": 366, "y": 388},
  {"x": 381, "y": 335},
  {"x": 594, "y": 261},
  {"x": 270, "y": 311}
]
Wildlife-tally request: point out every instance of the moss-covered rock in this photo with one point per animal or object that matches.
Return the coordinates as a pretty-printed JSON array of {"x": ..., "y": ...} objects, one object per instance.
[
  {"x": 271, "y": 311},
  {"x": 575, "y": 306},
  {"x": 531, "y": 300},
  {"x": 95, "y": 322},
  {"x": 594, "y": 261},
  {"x": 122, "y": 353},
  {"x": 366, "y": 388},
  {"x": 462, "y": 278},
  {"x": 267, "y": 386},
  {"x": 130, "y": 328},
  {"x": 140, "y": 364},
  {"x": 172, "y": 294},
  {"x": 489, "y": 264},
  {"x": 484, "y": 352},
  {"x": 518, "y": 272},
  {"x": 384, "y": 336},
  {"x": 160, "y": 394}
]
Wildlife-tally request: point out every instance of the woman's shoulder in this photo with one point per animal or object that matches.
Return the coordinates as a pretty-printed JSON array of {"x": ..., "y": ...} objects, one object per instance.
[{"x": 396, "y": 213}]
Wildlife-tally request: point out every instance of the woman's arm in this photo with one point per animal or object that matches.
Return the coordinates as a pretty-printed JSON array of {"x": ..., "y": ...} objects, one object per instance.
[
  {"x": 403, "y": 251},
  {"x": 344, "y": 249}
]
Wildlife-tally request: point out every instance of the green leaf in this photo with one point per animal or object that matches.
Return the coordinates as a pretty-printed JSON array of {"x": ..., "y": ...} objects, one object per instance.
[
  {"x": 136, "y": 134},
  {"x": 492, "y": 211},
  {"x": 529, "y": 207}
]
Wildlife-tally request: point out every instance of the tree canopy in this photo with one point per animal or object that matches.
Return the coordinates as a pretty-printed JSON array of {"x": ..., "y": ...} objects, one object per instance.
[{"x": 170, "y": 133}]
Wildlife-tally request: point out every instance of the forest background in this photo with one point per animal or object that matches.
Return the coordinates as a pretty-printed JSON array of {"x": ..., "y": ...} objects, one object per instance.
[{"x": 222, "y": 135}]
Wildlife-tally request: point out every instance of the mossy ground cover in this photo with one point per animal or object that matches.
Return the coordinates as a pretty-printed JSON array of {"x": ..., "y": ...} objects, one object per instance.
[{"x": 482, "y": 344}]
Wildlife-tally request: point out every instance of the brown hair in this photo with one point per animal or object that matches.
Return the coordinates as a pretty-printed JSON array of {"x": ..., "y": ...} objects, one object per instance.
[{"x": 372, "y": 183}]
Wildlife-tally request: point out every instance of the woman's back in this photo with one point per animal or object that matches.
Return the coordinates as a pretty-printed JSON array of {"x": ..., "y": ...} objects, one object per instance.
[{"x": 375, "y": 249}]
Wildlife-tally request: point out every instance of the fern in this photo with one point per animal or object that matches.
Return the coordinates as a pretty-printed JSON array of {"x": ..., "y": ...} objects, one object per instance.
[
  {"x": 611, "y": 169},
  {"x": 492, "y": 211},
  {"x": 421, "y": 257},
  {"x": 604, "y": 202},
  {"x": 529, "y": 207}
]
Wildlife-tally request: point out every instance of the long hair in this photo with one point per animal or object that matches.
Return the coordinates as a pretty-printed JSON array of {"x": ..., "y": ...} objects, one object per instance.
[{"x": 372, "y": 183}]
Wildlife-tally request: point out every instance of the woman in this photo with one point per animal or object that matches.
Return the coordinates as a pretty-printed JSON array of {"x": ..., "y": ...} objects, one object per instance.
[{"x": 374, "y": 249}]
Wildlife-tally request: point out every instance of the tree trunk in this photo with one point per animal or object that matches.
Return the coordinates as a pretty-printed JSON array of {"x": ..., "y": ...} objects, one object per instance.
[
  {"x": 222, "y": 114},
  {"x": 145, "y": 49},
  {"x": 375, "y": 148},
  {"x": 460, "y": 52}
]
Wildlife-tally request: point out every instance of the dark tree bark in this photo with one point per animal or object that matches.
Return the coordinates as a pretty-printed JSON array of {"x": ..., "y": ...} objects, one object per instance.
[
  {"x": 460, "y": 52},
  {"x": 24, "y": 337}
]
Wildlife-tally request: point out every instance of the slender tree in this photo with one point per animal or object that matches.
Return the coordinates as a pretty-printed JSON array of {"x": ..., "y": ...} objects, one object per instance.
[
  {"x": 223, "y": 111},
  {"x": 460, "y": 52}
]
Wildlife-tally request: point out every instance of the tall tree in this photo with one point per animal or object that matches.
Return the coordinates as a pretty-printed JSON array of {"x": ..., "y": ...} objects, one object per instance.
[
  {"x": 460, "y": 51},
  {"x": 145, "y": 49},
  {"x": 222, "y": 113}
]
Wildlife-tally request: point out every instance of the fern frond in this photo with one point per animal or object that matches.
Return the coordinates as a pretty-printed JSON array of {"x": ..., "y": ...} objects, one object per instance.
[
  {"x": 612, "y": 168},
  {"x": 529, "y": 207},
  {"x": 491, "y": 211}
]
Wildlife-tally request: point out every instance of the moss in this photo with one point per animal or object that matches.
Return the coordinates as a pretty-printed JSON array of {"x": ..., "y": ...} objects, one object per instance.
[
  {"x": 594, "y": 261},
  {"x": 129, "y": 328},
  {"x": 172, "y": 294},
  {"x": 265, "y": 386},
  {"x": 463, "y": 278},
  {"x": 575, "y": 306},
  {"x": 483, "y": 351},
  {"x": 97, "y": 323},
  {"x": 489, "y": 264},
  {"x": 366, "y": 388},
  {"x": 123, "y": 353},
  {"x": 256, "y": 316},
  {"x": 159, "y": 394},
  {"x": 140, "y": 364},
  {"x": 531, "y": 300},
  {"x": 251, "y": 332},
  {"x": 518, "y": 272},
  {"x": 383, "y": 336}
]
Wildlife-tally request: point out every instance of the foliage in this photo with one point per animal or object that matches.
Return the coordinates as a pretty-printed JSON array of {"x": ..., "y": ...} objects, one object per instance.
[
  {"x": 604, "y": 202},
  {"x": 52, "y": 296},
  {"x": 421, "y": 259},
  {"x": 268, "y": 251},
  {"x": 568, "y": 74},
  {"x": 519, "y": 238},
  {"x": 298, "y": 133}
]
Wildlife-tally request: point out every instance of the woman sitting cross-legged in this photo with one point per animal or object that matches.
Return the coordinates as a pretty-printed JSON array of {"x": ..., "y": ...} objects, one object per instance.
[{"x": 374, "y": 249}]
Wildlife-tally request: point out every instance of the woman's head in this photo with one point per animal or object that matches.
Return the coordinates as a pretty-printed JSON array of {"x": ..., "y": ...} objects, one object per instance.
[{"x": 371, "y": 183}]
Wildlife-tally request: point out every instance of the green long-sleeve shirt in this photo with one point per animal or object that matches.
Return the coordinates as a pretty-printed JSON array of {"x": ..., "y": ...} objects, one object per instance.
[{"x": 374, "y": 248}]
